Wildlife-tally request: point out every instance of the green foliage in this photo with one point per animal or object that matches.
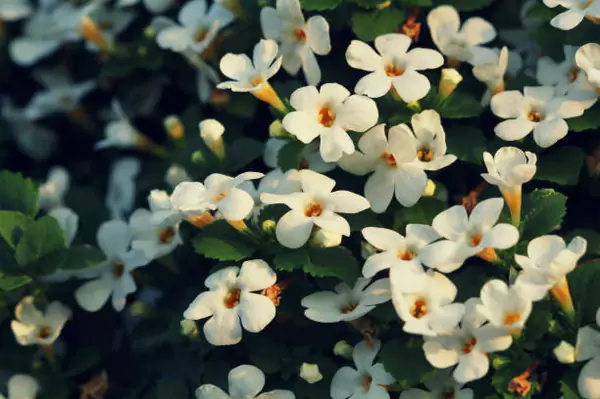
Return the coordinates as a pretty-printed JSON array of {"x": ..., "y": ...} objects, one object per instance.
[
  {"x": 81, "y": 257},
  {"x": 12, "y": 226},
  {"x": 222, "y": 242},
  {"x": 460, "y": 105},
  {"x": 467, "y": 143},
  {"x": 543, "y": 212},
  {"x": 168, "y": 388},
  {"x": 41, "y": 238},
  {"x": 8, "y": 284},
  {"x": 320, "y": 262},
  {"x": 588, "y": 121},
  {"x": 367, "y": 25},
  {"x": 290, "y": 260},
  {"x": 17, "y": 194},
  {"x": 466, "y": 5},
  {"x": 422, "y": 212},
  {"x": 319, "y": 5},
  {"x": 561, "y": 165},
  {"x": 242, "y": 152},
  {"x": 290, "y": 156},
  {"x": 404, "y": 359},
  {"x": 583, "y": 282}
]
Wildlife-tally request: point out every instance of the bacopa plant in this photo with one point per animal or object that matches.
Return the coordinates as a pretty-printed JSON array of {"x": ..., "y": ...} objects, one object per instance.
[{"x": 279, "y": 199}]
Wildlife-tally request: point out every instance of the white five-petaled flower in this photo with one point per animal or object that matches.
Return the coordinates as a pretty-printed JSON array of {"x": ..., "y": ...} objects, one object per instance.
[
  {"x": 329, "y": 113},
  {"x": 33, "y": 327},
  {"x": 51, "y": 193},
  {"x": 197, "y": 27},
  {"x": 187, "y": 201},
  {"x": 394, "y": 67},
  {"x": 492, "y": 72},
  {"x": 469, "y": 235},
  {"x": 547, "y": 262},
  {"x": 587, "y": 58},
  {"x": 231, "y": 298},
  {"x": 154, "y": 241},
  {"x": 440, "y": 386},
  {"x": 21, "y": 386},
  {"x": 224, "y": 195},
  {"x": 300, "y": 40},
  {"x": 397, "y": 251},
  {"x": 346, "y": 303},
  {"x": 577, "y": 10},
  {"x": 588, "y": 348},
  {"x": 113, "y": 276},
  {"x": 12, "y": 10},
  {"x": 538, "y": 109},
  {"x": 424, "y": 301},
  {"x": 503, "y": 306},
  {"x": 467, "y": 347},
  {"x": 120, "y": 195},
  {"x": 120, "y": 132},
  {"x": 460, "y": 43},
  {"x": 367, "y": 380},
  {"x": 315, "y": 205},
  {"x": 245, "y": 382}
]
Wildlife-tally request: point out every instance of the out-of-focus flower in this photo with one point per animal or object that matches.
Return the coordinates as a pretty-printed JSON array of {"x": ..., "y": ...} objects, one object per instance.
[
  {"x": 152, "y": 240},
  {"x": 33, "y": 327},
  {"x": 22, "y": 386},
  {"x": 564, "y": 352},
  {"x": 13, "y": 10},
  {"x": 154, "y": 6},
  {"x": 52, "y": 192},
  {"x": 588, "y": 348},
  {"x": 211, "y": 131},
  {"x": 311, "y": 157},
  {"x": 175, "y": 175},
  {"x": 120, "y": 195},
  {"x": 577, "y": 10},
  {"x": 587, "y": 58},
  {"x": 440, "y": 386}
]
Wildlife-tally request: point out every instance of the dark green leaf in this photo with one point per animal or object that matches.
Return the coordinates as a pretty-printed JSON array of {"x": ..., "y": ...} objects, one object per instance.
[
  {"x": 561, "y": 165},
  {"x": 170, "y": 388},
  {"x": 12, "y": 226},
  {"x": 460, "y": 105},
  {"x": 242, "y": 105},
  {"x": 319, "y": 5},
  {"x": 17, "y": 194},
  {"x": 583, "y": 284},
  {"x": 466, "y": 142},
  {"x": 542, "y": 11},
  {"x": 543, "y": 212},
  {"x": 405, "y": 360},
  {"x": 466, "y": 5},
  {"x": 417, "y": 3},
  {"x": 13, "y": 282},
  {"x": 359, "y": 221},
  {"x": 41, "y": 238},
  {"x": 422, "y": 213},
  {"x": 262, "y": 350},
  {"x": 367, "y": 25},
  {"x": 588, "y": 121},
  {"x": 291, "y": 260},
  {"x": 369, "y": 3},
  {"x": 333, "y": 262},
  {"x": 81, "y": 257},
  {"x": 241, "y": 152},
  {"x": 290, "y": 155},
  {"x": 222, "y": 249}
]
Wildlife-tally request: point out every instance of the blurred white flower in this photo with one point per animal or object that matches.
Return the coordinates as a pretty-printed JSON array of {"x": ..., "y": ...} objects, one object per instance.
[
  {"x": 367, "y": 380},
  {"x": 224, "y": 194},
  {"x": 492, "y": 72},
  {"x": 329, "y": 113},
  {"x": 587, "y": 58},
  {"x": 504, "y": 306},
  {"x": 113, "y": 276},
  {"x": 68, "y": 222},
  {"x": 300, "y": 40},
  {"x": 564, "y": 352},
  {"x": 175, "y": 175},
  {"x": 120, "y": 194},
  {"x": 13, "y": 10},
  {"x": 394, "y": 67},
  {"x": 120, "y": 132},
  {"x": 231, "y": 298},
  {"x": 587, "y": 347},
  {"x": 188, "y": 201},
  {"x": 315, "y": 205},
  {"x": 154, "y": 6},
  {"x": 52, "y": 192},
  {"x": 440, "y": 386},
  {"x": 154, "y": 241},
  {"x": 577, "y": 10},
  {"x": 22, "y": 386},
  {"x": 110, "y": 22},
  {"x": 34, "y": 327},
  {"x": 346, "y": 304}
]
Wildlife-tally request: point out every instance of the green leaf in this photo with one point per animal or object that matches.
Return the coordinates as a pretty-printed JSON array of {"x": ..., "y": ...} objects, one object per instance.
[
  {"x": 422, "y": 212},
  {"x": 81, "y": 257},
  {"x": 42, "y": 237},
  {"x": 291, "y": 260},
  {"x": 561, "y": 165},
  {"x": 583, "y": 283},
  {"x": 591, "y": 236},
  {"x": 369, "y": 3},
  {"x": 170, "y": 388},
  {"x": 221, "y": 249},
  {"x": 261, "y": 351},
  {"x": 12, "y": 226},
  {"x": 290, "y": 155},
  {"x": 367, "y": 25},
  {"x": 542, "y": 11},
  {"x": 241, "y": 152},
  {"x": 319, "y": 5},
  {"x": 466, "y": 142},
  {"x": 466, "y": 5},
  {"x": 588, "y": 121},
  {"x": 242, "y": 105},
  {"x": 13, "y": 282},
  {"x": 359, "y": 221},
  {"x": 460, "y": 105},
  {"x": 17, "y": 194},
  {"x": 333, "y": 262},
  {"x": 543, "y": 212},
  {"x": 417, "y": 3},
  {"x": 404, "y": 359}
]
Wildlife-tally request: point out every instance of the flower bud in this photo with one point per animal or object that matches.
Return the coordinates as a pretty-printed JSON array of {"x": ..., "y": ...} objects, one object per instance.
[
  {"x": 175, "y": 175},
  {"x": 429, "y": 189},
  {"x": 343, "y": 349},
  {"x": 565, "y": 353},
  {"x": 325, "y": 239},
  {"x": 276, "y": 129},
  {"x": 268, "y": 226},
  {"x": 174, "y": 127},
  {"x": 139, "y": 308},
  {"x": 450, "y": 79},
  {"x": 310, "y": 373},
  {"x": 211, "y": 131},
  {"x": 189, "y": 328},
  {"x": 150, "y": 32},
  {"x": 90, "y": 32}
]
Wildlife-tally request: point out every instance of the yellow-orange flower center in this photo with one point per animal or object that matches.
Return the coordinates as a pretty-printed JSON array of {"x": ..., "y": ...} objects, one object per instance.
[
  {"x": 313, "y": 209},
  {"x": 511, "y": 318},
  {"x": 257, "y": 80},
  {"x": 200, "y": 34},
  {"x": 475, "y": 240},
  {"x": 393, "y": 70},
  {"x": 348, "y": 308},
  {"x": 367, "y": 380},
  {"x": 389, "y": 158},
  {"x": 574, "y": 74},
  {"x": 118, "y": 270},
  {"x": 535, "y": 116},
  {"x": 425, "y": 154},
  {"x": 419, "y": 308},
  {"x": 232, "y": 299},
  {"x": 167, "y": 235},
  {"x": 326, "y": 116},
  {"x": 219, "y": 197},
  {"x": 300, "y": 35},
  {"x": 469, "y": 345},
  {"x": 407, "y": 255},
  {"x": 44, "y": 332}
]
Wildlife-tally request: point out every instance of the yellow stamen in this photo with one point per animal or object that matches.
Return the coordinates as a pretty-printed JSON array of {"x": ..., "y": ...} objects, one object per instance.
[
  {"x": 419, "y": 308},
  {"x": 326, "y": 116},
  {"x": 313, "y": 209}
]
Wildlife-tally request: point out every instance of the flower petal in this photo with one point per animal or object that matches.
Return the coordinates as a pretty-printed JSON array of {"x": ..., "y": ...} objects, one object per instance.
[
  {"x": 223, "y": 328},
  {"x": 246, "y": 381},
  {"x": 205, "y": 305},
  {"x": 255, "y": 275},
  {"x": 317, "y": 35},
  {"x": 92, "y": 295},
  {"x": 360, "y": 55},
  {"x": 293, "y": 229}
]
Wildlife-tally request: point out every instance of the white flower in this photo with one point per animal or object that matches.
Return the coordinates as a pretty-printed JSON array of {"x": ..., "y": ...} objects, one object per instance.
[
  {"x": 329, "y": 113},
  {"x": 325, "y": 238},
  {"x": 423, "y": 300},
  {"x": 346, "y": 303},
  {"x": 509, "y": 167},
  {"x": 577, "y": 10},
  {"x": 120, "y": 132},
  {"x": 22, "y": 386},
  {"x": 60, "y": 95},
  {"x": 394, "y": 66},
  {"x": 245, "y": 382},
  {"x": 468, "y": 235},
  {"x": 310, "y": 155},
  {"x": 587, "y": 58},
  {"x": 33, "y": 327},
  {"x": 110, "y": 22},
  {"x": 310, "y": 373},
  {"x": 211, "y": 131},
  {"x": 504, "y": 306},
  {"x": 315, "y": 205},
  {"x": 537, "y": 109},
  {"x": 67, "y": 220},
  {"x": 547, "y": 262},
  {"x": 113, "y": 276},
  {"x": 230, "y": 298},
  {"x": 467, "y": 347},
  {"x": 52, "y": 192},
  {"x": 197, "y": 27},
  {"x": 564, "y": 352},
  {"x": 175, "y": 175},
  {"x": 449, "y": 80},
  {"x": 460, "y": 43},
  {"x": 187, "y": 201},
  {"x": 367, "y": 381},
  {"x": 12, "y": 10},
  {"x": 120, "y": 195},
  {"x": 152, "y": 240},
  {"x": 492, "y": 72},
  {"x": 300, "y": 40},
  {"x": 397, "y": 251},
  {"x": 224, "y": 195},
  {"x": 588, "y": 348},
  {"x": 440, "y": 386}
]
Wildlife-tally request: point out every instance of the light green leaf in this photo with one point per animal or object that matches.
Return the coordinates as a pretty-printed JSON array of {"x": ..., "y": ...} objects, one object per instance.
[
  {"x": 41, "y": 238},
  {"x": 319, "y": 5},
  {"x": 17, "y": 194},
  {"x": 466, "y": 142},
  {"x": 241, "y": 152},
  {"x": 367, "y": 25},
  {"x": 291, "y": 260},
  {"x": 543, "y": 212},
  {"x": 12, "y": 226},
  {"x": 404, "y": 359},
  {"x": 11, "y": 283},
  {"x": 290, "y": 155},
  {"x": 561, "y": 165},
  {"x": 460, "y": 105},
  {"x": 333, "y": 262}
]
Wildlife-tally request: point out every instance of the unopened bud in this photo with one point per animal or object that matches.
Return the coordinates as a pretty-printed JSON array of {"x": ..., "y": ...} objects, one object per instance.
[
  {"x": 268, "y": 226},
  {"x": 189, "y": 328},
  {"x": 211, "y": 131},
  {"x": 325, "y": 239},
  {"x": 175, "y": 175},
  {"x": 90, "y": 32},
  {"x": 174, "y": 127},
  {"x": 276, "y": 129},
  {"x": 429, "y": 189},
  {"x": 343, "y": 349},
  {"x": 139, "y": 308},
  {"x": 449, "y": 81},
  {"x": 310, "y": 373},
  {"x": 565, "y": 352},
  {"x": 384, "y": 4},
  {"x": 150, "y": 32},
  {"x": 198, "y": 158}
]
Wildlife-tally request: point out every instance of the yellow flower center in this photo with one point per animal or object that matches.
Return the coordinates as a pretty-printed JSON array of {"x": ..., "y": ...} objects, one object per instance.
[
  {"x": 232, "y": 299},
  {"x": 118, "y": 270},
  {"x": 300, "y": 35},
  {"x": 535, "y": 116},
  {"x": 475, "y": 240},
  {"x": 348, "y": 308},
  {"x": 407, "y": 255},
  {"x": 326, "y": 116},
  {"x": 44, "y": 332},
  {"x": 167, "y": 235},
  {"x": 389, "y": 158},
  {"x": 425, "y": 154},
  {"x": 574, "y": 73},
  {"x": 392, "y": 70},
  {"x": 219, "y": 197},
  {"x": 469, "y": 345},
  {"x": 419, "y": 308},
  {"x": 511, "y": 318},
  {"x": 257, "y": 80},
  {"x": 313, "y": 209}
]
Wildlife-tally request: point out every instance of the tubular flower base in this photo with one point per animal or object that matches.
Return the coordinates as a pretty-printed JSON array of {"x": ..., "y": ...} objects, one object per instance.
[
  {"x": 513, "y": 200},
  {"x": 201, "y": 221},
  {"x": 267, "y": 94},
  {"x": 562, "y": 294}
]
